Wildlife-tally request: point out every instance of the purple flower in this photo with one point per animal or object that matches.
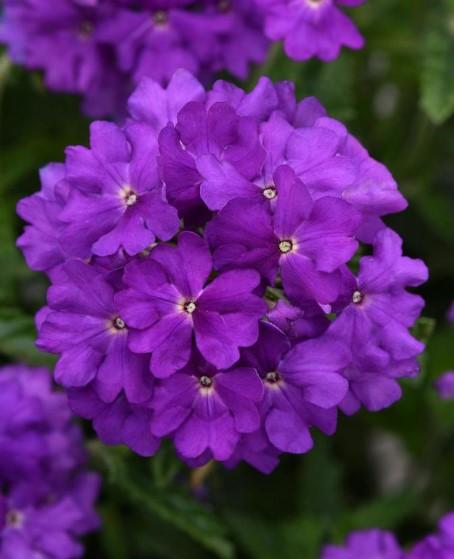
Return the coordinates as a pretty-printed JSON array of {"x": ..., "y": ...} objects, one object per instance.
[
  {"x": 116, "y": 199},
  {"x": 450, "y": 313},
  {"x": 47, "y": 496},
  {"x": 63, "y": 42},
  {"x": 373, "y": 381},
  {"x": 373, "y": 544},
  {"x": 303, "y": 386},
  {"x": 102, "y": 49},
  {"x": 247, "y": 330},
  {"x": 201, "y": 139},
  {"x": 207, "y": 411},
  {"x": 255, "y": 449},
  {"x": 240, "y": 39},
  {"x": 299, "y": 323},
  {"x": 305, "y": 241},
  {"x": 439, "y": 545},
  {"x": 116, "y": 422},
  {"x": 380, "y": 310},
  {"x": 311, "y": 27},
  {"x": 445, "y": 385},
  {"x": 34, "y": 529},
  {"x": 40, "y": 242},
  {"x": 209, "y": 39},
  {"x": 374, "y": 321},
  {"x": 31, "y": 419},
  {"x": 168, "y": 303},
  {"x": 156, "y": 106},
  {"x": 83, "y": 325}
]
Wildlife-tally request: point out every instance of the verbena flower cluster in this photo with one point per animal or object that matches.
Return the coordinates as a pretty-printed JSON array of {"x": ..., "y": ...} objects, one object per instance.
[
  {"x": 378, "y": 544},
  {"x": 221, "y": 274},
  {"x": 445, "y": 385},
  {"x": 102, "y": 48},
  {"x": 311, "y": 28},
  {"x": 46, "y": 494}
]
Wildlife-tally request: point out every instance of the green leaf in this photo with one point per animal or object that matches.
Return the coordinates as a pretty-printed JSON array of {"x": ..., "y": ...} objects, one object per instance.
[
  {"x": 438, "y": 68},
  {"x": 172, "y": 505}
]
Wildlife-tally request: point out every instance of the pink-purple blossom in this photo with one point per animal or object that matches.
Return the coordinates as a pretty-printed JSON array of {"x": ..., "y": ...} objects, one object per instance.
[
  {"x": 439, "y": 545},
  {"x": 222, "y": 274},
  {"x": 103, "y": 49},
  {"x": 46, "y": 493},
  {"x": 381, "y": 544},
  {"x": 445, "y": 385},
  {"x": 373, "y": 544},
  {"x": 312, "y": 28}
]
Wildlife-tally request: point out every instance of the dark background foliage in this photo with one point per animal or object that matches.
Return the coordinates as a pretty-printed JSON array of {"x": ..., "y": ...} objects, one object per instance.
[{"x": 392, "y": 469}]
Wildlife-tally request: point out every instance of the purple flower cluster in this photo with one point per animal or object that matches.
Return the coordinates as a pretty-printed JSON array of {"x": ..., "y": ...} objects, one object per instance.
[
  {"x": 445, "y": 385},
  {"x": 221, "y": 274},
  {"x": 103, "y": 48},
  {"x": 46, "y": 494},
  {"x": 439, "y": 545},
  {"x": 311, "y": 28},
  {"x": 378, "y": 544},
  {"x": 373, "y": 544}
]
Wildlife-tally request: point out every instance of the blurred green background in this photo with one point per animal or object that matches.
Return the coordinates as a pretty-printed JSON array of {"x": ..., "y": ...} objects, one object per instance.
[{"x": 394, "y": 469}]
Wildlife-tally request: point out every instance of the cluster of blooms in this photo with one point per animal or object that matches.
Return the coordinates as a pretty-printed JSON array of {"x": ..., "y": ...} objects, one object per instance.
[
  {"x": 46, "y": 494},
  {"x": 450, "y": 314},
  {"x": 377, "y": 544},
  {"x": 102, "y": 48},
  {"x": 445, "y": 385},
  {"x": 200, "y": 281},
  {"x": 311, "y": 28}
]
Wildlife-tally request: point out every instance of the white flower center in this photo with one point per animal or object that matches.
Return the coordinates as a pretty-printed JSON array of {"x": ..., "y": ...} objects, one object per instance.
[
  {"x": 272, "y": 378},
  {"x": 160, "y": 18},
  {"x": 119, "y": 323},
  {"x": 131, "y": 199},
  {"x": 357, "y": 297},
  {"x": 128, "y": 196},
  {"x": 315, "y": 3},
  {"x": 224, "y": 5},
  {"x": 189, "y": 307},
  {"x": 270, "y": 192},
  {"x": 14, "y": 518},
  {"x": 206, "y": 382},
  {"x": 85, "y": 30},
  {"x": 285, "y": 246}
]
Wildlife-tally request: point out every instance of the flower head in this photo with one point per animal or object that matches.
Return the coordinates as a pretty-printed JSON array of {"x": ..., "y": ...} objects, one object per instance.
[
  {"x": 117, "y": 199},
  {"x": 83, "y": 324},
  {"x": 102, "y": 49},
  {"x": 373, "y": 544},
  {"x": 439, "y": 545},
  {"x": 206, "y": 412},
  {"x": 168, "y": 303},
  {"x": 47, "y": 496},
  {"x": 303, "y": 385},
  {"x": 288, "y": 240},
  {"x": 445, "y": 385},
  {"x": 222, "y": 274},
  {"x": 311, "y": 27}
]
